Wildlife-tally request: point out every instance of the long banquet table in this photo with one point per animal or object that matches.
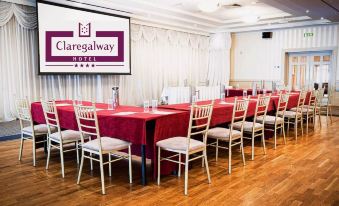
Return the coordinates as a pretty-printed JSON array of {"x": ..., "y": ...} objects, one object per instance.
[
  {"x": 128, "y": 123},
  {"x": 144, "y": 129}
]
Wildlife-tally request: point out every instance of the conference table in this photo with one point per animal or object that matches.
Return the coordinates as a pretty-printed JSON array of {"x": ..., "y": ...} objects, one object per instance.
[
  {"x": 145, "y": 129},
  {"x": 130, "y": 123}
]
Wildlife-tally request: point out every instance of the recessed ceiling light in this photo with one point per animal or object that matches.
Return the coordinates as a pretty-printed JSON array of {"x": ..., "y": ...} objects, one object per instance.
[
  {"x": 250, "y": 19},
  {"x": 307, "y": 11},
  {"x": 208, "y": 6},
  {"x": 322, "y": 18}
]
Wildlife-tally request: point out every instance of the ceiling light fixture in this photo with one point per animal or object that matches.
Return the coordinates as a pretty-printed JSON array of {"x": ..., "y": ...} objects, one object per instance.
[
  {"x": 250, "y": 19},
  {"x": 322, "y": 18},
  {"x": 208, "y": 6},
  {"x": 307, "y": 11}
]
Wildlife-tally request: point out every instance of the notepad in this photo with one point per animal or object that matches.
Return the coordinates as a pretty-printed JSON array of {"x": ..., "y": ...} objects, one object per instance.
[
  {"x": 226, "y": 103},
  {"x": 62, "y": 104},
  {"x": 124, "y": 113},
  {"x": 161, "y": 112}
]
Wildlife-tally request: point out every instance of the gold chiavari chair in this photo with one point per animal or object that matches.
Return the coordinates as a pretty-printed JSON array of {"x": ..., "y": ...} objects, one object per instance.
[
  {"x": 200, "y": 117},
  {"x": 295, "y": 116},
  {"x": 32, "y": 131},
  {"x": 274, "y": 123},
  {"x": 232, "y": 136},
  {"x": 60, "y": 138},
  {"x": 88, "y": 125},
  {"x": 254, "y": 128}
]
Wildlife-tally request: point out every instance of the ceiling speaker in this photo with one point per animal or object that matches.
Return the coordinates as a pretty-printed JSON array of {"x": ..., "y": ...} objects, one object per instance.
[{"x": 267, "y": 35}]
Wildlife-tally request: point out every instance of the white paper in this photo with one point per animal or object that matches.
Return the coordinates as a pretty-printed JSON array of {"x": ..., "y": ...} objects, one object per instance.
[
  {"x": 161, "y": 112},
  {"x": 124, "y": 113}
]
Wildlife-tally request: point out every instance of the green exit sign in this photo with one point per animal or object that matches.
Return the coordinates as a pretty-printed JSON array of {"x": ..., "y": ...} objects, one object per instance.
[{"x": 308, "y": 34}]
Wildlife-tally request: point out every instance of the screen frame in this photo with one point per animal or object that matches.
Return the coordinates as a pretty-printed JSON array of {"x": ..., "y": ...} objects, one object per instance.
[{"x": 86, "y": 10}]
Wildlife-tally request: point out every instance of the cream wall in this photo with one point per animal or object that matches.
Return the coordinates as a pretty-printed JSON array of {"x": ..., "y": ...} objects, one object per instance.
[{"x": 254, "y": 58}]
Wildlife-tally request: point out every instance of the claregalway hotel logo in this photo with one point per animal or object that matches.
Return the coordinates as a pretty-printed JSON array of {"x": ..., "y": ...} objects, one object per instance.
[{"x": 84, "y": 47}]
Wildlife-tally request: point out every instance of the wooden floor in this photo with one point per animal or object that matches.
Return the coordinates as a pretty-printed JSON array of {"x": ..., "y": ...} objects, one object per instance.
[{"x": 299, "y": 173}]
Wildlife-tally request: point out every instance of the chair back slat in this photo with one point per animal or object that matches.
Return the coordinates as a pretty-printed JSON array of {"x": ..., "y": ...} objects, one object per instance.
[
  {"x": 200, "y": 118},
  {"x": 263, "y": 102},
  {"x": 239, "y": 113},
  {"x": 24, "y": 112},
  {"x": 88, "y": 122},
  {"x": 51, "y": 115},
  {"x": 282, "y": 104},
  {"x": 301, "y": 100}
]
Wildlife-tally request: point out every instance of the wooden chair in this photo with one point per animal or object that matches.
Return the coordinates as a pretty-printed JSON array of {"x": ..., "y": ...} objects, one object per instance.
[
  {"x": 200, "y": 117},
  {"x": 254, "y": 128},
  {"x": 60, "y": 138},
  {"x": 325, "y": 103},
  {"x": 295, "y": 116},
  {"x": 88, "y": 125},
  {"x": 232, "y": 136},
  {"x": 274, "y": 123},
  {"x": 32, "y": 131}
]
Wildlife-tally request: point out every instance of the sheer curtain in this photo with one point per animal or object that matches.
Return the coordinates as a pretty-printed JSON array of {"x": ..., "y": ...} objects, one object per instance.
[{"x": 160, "y": 58}]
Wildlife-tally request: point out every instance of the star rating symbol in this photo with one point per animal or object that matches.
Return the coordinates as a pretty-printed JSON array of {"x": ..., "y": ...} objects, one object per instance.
[
  {"x": 81, "y": 65},
  {"x": 93, "y": 65},
  {"x": 76, "y": 65},
  {"x": 87, "y": 65}
]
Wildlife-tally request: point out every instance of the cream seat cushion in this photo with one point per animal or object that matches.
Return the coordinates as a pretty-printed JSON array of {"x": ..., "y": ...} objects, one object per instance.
[
  {"x": 223, "y": 133},
  {"x": 39, "y": 129},
  {"x": 179, "y": 144},
  {"x": 291, "y": 114},
  {"x": 304, "y": 109},
  {"x": 107, "y": 144},
  {"x": 248, "y": 126},
  {"x": 270, "y": 119},
  {"x": 67, "y": 135}
]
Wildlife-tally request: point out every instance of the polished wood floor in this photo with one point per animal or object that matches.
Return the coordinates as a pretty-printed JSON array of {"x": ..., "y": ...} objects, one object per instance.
[{"x": 299, "y": 173}]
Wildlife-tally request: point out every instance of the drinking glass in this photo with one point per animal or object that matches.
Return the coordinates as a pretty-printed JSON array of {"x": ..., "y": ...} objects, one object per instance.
[
  {"x": 79, "y": 100},
  {"x": 245, "y": 93},
  {"x": 194, "y": 99},
  {"x": 264, "y": 91},
  {"x": 146, "y": 106},
  {"x": 154, "y": 105},
  {"x": 110, "y": 104},
  {"x": 222, "y": 97}
]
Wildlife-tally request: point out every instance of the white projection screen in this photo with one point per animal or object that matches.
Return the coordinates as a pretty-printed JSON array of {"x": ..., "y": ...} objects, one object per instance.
[{"x": 81, "y": 41}]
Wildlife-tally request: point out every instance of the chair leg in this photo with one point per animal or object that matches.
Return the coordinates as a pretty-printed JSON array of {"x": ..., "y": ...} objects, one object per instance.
[
  {"x": 62, "y": 160},
  {"x": 327, "y": 115},
  {"x": 252, "y": 145},
  {"x": 77, "y": 149},
  {"x": 207, "y": 168},
  {"x": 48, "y": 153},
  {"x": 102, "y": 175},
  {"x": 90, "y": 154},
  {"x": 179, "y": 166},
  {"x": 81, "y": 166},
  {"x": 242, "y": 151},
  {"x": 284, "y": 135},
  {"x": 307, "y": 123},
  {"x": 319, "y": 116},
  {"x": 275, "y": 136},
  {"x": 217, "y": 151},
  {"x": 130, "y": 164},
  {"x": 186, "y": 174},
  {"x": 159, "y": 162},
  {"x": 296, "y": 128},
  {"x": 263, "y": 141},
  {"x": 302, "y": 126},
  {"x": 21, "y": 146},
  {"x": 229, "y": 157},
  {"x": 109, "y": 165},
  {"x": 33, "y": 150},
  {"x": 330, "y": 108}
]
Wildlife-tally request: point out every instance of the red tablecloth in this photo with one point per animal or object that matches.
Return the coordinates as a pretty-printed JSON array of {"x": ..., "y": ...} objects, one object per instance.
[{"x": 139, "y": 128}]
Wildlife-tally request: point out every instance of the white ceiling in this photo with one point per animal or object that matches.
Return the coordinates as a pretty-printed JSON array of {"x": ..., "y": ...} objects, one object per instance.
[{"x": 184, "y": 15}]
